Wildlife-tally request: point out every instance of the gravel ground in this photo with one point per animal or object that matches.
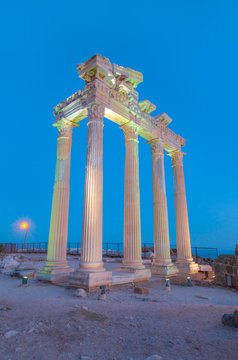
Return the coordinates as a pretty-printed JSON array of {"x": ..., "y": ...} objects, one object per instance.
[{"x": 53, "y": 324}]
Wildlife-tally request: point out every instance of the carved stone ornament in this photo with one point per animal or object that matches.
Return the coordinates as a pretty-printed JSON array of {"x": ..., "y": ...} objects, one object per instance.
[
  {"x": 96, "y": 112},
  {"x": 157, "y": 146},
  {"x": 177, "y": 158},
  {"x": 64, "y": 125},
  {"x": 114, "y": 87},
  {"x": 130, "y": 131}
]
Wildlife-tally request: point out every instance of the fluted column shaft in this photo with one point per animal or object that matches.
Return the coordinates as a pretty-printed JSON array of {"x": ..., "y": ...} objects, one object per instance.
[
  {"x": 91, "y": 244},
  {"x": 57, "y": 245},
  {"x": 181, "y": 213},
  {"x": 161, "y": 227},
  {"x": 132, "y": 224}
]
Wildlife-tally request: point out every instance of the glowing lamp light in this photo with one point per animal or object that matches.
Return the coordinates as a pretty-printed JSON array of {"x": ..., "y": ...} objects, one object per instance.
[
  {"x": 167, "y": 284},
  {"x": 25, "y": 280},
  {"x": 24, "y": 225},
  {"x": 189, "y": 282}
]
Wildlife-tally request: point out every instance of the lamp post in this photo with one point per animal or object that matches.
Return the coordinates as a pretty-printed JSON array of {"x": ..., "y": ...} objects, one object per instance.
[{"x": 24, "y": 226}]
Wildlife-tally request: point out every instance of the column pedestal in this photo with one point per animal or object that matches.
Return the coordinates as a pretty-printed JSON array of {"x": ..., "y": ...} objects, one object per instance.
[
  {"x": 56, "y": 268},
  {"x": 91, "y": 272},
  {"x": 184, "y": 262}
]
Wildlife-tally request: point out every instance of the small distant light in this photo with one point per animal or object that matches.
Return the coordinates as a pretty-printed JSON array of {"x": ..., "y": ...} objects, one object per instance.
[
  {"x": 213, "y": 276},
  {"x": 167, "y": 284},
  {"x": 189, "y": 281},
  {"x": 25, "y": 280}
]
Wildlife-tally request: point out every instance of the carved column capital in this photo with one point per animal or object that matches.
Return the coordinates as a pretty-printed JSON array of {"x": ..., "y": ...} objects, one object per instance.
[
  {"x": 130, "y": 131},
  {"x": 96, "y": 113},
  {"x": 65, "y": 127},
  {"x": 157, "y": 146},
  {"x": 177, "y": 158}
]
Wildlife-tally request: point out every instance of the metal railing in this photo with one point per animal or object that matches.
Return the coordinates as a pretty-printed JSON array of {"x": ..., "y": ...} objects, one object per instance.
[{"x": 109, "y": 249}]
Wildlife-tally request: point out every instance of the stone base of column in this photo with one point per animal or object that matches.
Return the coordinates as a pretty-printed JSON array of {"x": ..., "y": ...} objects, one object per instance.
[
  {"x": 187, "y": 266},
  {"x": 54, "y": 274},
  {"x": 163, "y": 269},
  {"x": 90, "y": 280},
  {"x": 139, "y": 274}
]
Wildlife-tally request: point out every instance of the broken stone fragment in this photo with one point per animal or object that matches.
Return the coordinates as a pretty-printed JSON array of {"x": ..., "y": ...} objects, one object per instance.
[
  {"x": 228, "y": 320},
  {"x": 235, "y": 316},
  {"x": 4, "y": 308},
  {"x": 102, "y": 297},
  {"x": 27, "y": 265},
  {"x": 81, "y": 293},
  {"x": 10, "y": 333},
  {"x": 142, "y": 291}
]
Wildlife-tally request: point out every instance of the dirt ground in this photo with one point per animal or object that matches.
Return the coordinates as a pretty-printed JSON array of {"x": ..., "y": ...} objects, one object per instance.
[{"x": 53, "y": 324}]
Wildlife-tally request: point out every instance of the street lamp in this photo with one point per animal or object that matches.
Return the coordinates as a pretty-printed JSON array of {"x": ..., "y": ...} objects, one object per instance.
[{"x": 24, "y": 226}]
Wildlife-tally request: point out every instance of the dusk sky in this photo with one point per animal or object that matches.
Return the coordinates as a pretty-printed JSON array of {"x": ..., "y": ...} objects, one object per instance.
[{"x": 187, "y": 52}]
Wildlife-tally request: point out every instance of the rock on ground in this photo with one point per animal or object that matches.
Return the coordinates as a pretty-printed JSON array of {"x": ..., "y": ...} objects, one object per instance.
[
  {"x": 141, "y": 290},
  {"x": 81, "y": 293},
  {"x": 10, "y": 334}
]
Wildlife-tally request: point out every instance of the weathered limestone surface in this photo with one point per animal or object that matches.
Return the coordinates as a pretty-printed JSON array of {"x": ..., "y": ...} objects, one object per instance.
[
  {"x": 89, "y": 273},
  {"x": 132, "y": 225},
  {"x": 91, "y": 242},
  {"x": 162, "y": 264},
  {"x": 110, "y": 91},
  {"x": 226, "y": 270},
  {"x": 56, "y": 268},
  {"x": 185, "y": 263}
]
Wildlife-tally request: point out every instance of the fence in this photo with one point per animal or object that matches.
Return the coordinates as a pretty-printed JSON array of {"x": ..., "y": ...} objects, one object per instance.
[{"x": 109, "y": 249}]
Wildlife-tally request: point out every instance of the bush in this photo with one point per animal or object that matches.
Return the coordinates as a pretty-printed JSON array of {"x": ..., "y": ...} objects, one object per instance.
[{"x": 1, "y": 249}]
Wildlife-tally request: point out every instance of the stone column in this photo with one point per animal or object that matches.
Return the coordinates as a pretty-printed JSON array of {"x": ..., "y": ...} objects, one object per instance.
[
  {"x": 185, "y": 263},
  {"x": 56, "y": 268},
  {"x": 91, "y": 242},
  {"x": 91, "y": 271},
  {"x": 132, "y": 226},
  {"x": 162, "y": 264}
]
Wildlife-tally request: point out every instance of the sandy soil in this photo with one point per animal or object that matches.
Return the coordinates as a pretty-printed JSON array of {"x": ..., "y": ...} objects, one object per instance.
[{"x": 52, "y": 323}]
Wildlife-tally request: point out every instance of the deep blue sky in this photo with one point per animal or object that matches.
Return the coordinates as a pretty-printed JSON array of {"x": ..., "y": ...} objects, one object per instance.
[{"x": 187, "y": 51}]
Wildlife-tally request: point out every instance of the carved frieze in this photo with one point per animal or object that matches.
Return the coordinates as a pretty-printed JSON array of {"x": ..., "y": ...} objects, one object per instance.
[{"x": 114, "y": 86}]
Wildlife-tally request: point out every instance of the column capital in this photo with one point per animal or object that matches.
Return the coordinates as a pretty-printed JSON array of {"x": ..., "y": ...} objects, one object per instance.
[
  {"x": 157, "y": 146},
  {"x": 65, "y": 126},
  {"x": 130, "y": 131},
  {"x": 96, "y": 113},
  {"x": 177, "y": 157}
]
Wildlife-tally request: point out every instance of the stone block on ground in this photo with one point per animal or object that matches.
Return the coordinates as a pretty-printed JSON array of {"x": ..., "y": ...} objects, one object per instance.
[
  {"x": 141, "y": 290},
  {"x": 8, "y": 263},
  {"x": 235, "y": 317},
  {"x": 27, "y": 265},
  {"x": 90, "y": 280},
  {"x": 228, "y": 320},
  {"x": 31, "y": 274},
  {"x": 81, "y": 293}
]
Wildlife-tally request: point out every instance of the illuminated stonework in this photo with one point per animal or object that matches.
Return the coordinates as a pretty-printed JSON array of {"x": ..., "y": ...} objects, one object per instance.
[{"x": 110, "y": 91}]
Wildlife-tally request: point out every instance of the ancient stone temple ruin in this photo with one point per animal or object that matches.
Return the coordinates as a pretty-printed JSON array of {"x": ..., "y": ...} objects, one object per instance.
[{"x": 110, "y": 92}]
